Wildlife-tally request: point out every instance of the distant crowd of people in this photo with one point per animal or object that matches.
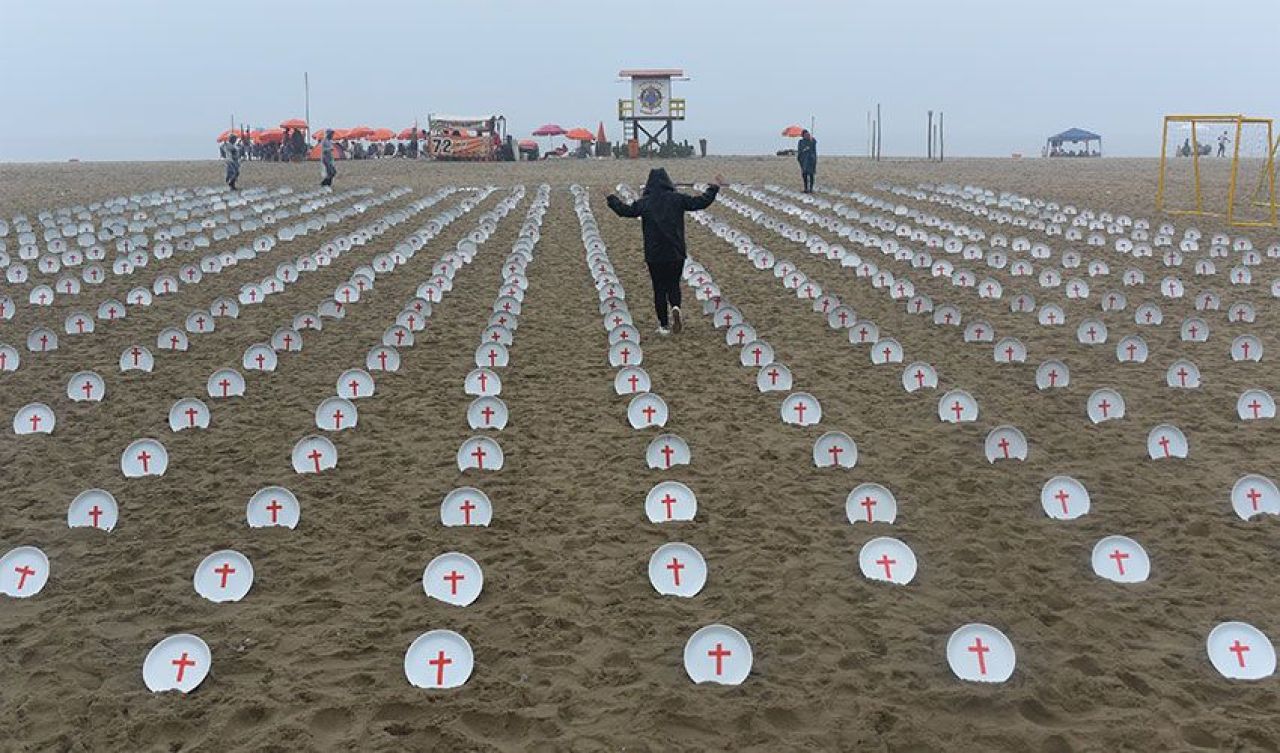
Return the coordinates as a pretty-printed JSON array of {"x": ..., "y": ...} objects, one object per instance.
[
  {"x": 293, "y": 148},
  {"x": 1204, "y": 150},
  {"x": 1058, "y": 151}
]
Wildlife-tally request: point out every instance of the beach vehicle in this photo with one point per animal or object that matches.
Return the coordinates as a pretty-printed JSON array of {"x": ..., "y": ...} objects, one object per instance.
[{"x": 476, "y": 139}]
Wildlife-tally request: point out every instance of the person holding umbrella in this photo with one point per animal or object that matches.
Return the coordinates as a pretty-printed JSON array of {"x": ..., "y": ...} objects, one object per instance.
[
  {"x": 807, "y": 156},
  {"x": 661, "y": 211}
]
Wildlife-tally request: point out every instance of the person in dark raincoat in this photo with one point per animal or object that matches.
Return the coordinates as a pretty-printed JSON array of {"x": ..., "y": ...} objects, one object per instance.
[
  {"x": 661, "y": 211},
  {"x": 807, "y": 156}
]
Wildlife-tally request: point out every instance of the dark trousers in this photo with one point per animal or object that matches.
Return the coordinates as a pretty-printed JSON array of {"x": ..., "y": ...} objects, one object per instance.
[
  {"x": 329, "y": 172},
  {"x": 665, "y": 276},
  {"x": 807, "y": 177}
]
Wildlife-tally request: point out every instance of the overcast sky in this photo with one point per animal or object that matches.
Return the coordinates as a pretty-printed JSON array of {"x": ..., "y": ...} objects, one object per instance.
[{"x": 159, "y": 79}]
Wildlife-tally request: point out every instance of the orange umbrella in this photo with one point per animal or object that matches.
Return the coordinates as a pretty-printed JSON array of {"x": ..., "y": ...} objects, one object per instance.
[
  {"x": 382, "y": 134},
  {"x": 223, "y": 136},
  {"x": 792, "y": 131},
  {"x": 580, "y": 134},
  {"x": 269, "y": 136},
  {"x": 294, "y": 123},
  {"x": 359, "y": 132},
  {"x": 408, "y": 134}
]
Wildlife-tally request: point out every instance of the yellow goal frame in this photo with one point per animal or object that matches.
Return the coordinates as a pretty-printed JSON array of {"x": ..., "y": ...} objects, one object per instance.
[
  {"x": 1267, "y": 182},
  {"x": 1264, "y": 178}
]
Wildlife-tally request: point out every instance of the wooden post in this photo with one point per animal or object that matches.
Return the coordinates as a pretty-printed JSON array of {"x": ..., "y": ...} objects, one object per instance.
[
  {"x": 879, "y": 134},
  {"x": 306, "y": 89},
  {"x": 929, "y": 139},
  {"x": 941, "y": 142}
]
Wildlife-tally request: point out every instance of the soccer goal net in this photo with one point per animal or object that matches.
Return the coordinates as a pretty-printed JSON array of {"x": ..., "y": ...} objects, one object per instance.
[{"x": 1218, "y": 166}]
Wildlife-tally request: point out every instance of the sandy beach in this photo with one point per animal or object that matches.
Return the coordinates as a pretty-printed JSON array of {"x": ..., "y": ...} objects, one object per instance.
[{"x": 574, "y": 651}]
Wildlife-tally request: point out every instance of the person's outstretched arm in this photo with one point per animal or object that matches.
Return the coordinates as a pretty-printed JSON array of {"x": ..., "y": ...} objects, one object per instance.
[
  {"x": 622, "y": 208},
  {"x": 703, "y": 200}
]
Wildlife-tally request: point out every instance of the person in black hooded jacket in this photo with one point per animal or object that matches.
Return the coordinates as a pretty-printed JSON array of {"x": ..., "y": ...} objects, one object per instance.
[
  {"x": 661, "y": 211},
  {"x": 807, "y": 156}
]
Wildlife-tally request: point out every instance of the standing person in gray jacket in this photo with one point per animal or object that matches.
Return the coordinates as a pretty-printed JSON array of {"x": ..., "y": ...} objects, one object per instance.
[
  {"x": 231, "y": 155},
  {"x": 326, "y": 158},
  {"x": 807, "y": 156}
]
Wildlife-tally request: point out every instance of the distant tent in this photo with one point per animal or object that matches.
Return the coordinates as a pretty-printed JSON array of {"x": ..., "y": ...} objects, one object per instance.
[{"x": 1054, "y": 145}]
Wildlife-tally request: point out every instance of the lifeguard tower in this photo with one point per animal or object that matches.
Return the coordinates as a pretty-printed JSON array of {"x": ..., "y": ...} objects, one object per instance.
[{"x": 648, "y": 114}]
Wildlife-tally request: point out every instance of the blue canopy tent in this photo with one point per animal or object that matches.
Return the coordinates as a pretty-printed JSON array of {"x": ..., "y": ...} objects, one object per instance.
[{"x": 1053, "y": 147}]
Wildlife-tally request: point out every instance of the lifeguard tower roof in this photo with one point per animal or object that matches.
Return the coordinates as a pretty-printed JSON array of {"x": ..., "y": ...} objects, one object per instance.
[{"x": 651, "y": 73}]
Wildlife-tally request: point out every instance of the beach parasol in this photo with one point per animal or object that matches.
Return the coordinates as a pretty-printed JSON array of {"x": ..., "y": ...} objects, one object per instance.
[
  {"x": 359, "y": 132},
  {"x": 269, "y": 136},
  {"x": 580, "y": 134},
  {"x": 294, "y": 123},
  {"x": 382, "y": 134},
  {"x": 222, "y": 137},
  {"x": 549, "y": 129},
  {"x": 408, "y": 134},
  {"x": 792, "y": 131}
]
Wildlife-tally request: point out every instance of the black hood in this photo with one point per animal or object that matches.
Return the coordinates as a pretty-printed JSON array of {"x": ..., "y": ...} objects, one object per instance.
[{"x": 658, "y": 181}]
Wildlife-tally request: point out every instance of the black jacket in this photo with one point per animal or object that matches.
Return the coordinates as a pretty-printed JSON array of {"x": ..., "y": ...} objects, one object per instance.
[
  {"x": 807, "y": 155},
  {"x": 661, "y": 209}
]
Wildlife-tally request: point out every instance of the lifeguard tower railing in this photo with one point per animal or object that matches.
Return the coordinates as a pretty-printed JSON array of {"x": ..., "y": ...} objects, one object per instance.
[{"x": 626, "y": 110}]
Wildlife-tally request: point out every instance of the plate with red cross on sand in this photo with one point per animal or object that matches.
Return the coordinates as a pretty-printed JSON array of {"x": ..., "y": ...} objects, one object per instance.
[
  {"x": 93, "y": 508},
  {"x": 438, "y": 660},
  {"x": 980, "y": 653},
  {"x": 179, "y": 662},
  {"x": 718, "y": 654},
  {"x": 1240, "y": 651}
]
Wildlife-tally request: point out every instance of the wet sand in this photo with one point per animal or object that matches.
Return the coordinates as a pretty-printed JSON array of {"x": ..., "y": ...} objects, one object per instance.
[{"x": 574, "y": 650}]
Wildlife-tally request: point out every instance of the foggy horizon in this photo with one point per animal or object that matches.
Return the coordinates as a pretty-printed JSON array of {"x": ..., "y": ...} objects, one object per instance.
[{"x": 148, "y": 80}]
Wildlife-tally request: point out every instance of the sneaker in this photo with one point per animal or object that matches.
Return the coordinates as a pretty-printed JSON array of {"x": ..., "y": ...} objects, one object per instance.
[
  {"x": 663, "y": 331},
  {"x": 677, "y": 323}
]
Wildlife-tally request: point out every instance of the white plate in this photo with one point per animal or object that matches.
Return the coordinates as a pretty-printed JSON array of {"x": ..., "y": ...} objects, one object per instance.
[
  {"x": 719, "y": 654},
  {"x": 273, "y": 506},
  {"x": 670, "y": 501},
  {"x": 81, "y": 512},
  {"x": 869, "y": 503},
  {"x": 24, "y": 571},
  {"x": 677, "y": 569},
  {"x": 1240, "y": 651},
  {"x": 888, "y": 559},
  {"x": 182, "y": 656},
  {"x": 225, "y": 575},
  {"x": 1254, "y": 495},
  {"x": 1121, "y": 559},
  {"x": 438, "y": 659},
  {"x": 453, "y": 578},
  {"x": 980, "y": 653},
  {"x": 454, "y": 509},
  {"x": 144, "y": 457},
  {"x": 1064, "y": 498}
]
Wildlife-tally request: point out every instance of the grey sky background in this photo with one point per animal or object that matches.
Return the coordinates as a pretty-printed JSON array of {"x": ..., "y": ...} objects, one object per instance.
[{"x": 148, "y": 79}]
